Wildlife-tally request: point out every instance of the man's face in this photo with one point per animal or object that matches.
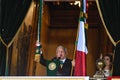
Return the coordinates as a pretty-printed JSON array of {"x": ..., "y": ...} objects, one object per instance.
[{"x": 60, "y": 53}]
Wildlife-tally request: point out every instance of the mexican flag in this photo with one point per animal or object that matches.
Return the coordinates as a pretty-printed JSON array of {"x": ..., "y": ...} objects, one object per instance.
[{"x": 81, "y": 49}]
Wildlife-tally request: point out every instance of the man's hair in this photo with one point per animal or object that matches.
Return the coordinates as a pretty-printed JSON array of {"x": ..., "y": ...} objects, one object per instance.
[{"x": 65, "y": 50}]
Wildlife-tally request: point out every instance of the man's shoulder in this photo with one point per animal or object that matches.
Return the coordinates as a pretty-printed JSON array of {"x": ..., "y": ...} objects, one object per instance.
[
  {"x": 54, "y": 58},
  {"x": 69, "y": 60}
]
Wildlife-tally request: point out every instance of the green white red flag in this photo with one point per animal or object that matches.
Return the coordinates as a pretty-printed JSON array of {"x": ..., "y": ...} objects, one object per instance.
[{"x": 81, "y": 51}]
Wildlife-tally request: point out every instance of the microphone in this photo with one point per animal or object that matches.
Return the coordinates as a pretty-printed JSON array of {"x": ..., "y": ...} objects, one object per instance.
[{"x": 60, "y": 57}]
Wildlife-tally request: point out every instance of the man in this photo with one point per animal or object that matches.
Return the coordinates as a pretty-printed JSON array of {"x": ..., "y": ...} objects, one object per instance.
[{"x": 64, "y": 69}]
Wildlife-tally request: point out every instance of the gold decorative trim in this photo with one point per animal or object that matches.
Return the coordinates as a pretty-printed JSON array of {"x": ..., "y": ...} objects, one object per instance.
[
  {"x": 3, "y": 41},
  {"x": 117, "y": 42},
  {"x": 86, "y": 25},
  {"x": 101, "y": 16},
  {"x": 81, "y": 14},
  {"x": 86, "y": 15}
]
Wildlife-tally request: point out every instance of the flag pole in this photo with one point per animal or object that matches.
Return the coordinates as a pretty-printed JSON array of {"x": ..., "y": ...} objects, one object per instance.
[
  {"x": 77, "y": 36},
  {"x": 39, "y": 5},
  {"x": 75, "y": 46},
  {"x": 83, "y": 11},
  {"x": 38, "y": 45}
]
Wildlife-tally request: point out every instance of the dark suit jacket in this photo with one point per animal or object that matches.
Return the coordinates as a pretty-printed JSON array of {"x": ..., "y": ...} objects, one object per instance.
[{"x": 64, "y": 71}]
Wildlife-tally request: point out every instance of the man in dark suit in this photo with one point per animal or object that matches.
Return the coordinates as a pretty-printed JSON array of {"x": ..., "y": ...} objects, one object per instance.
[{"x": 64, "y": 69}]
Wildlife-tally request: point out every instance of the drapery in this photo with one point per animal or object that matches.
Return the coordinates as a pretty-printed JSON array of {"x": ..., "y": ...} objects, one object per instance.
[
  {"x": 110, "y": 16},
  {"x": 12, "y": 14}
]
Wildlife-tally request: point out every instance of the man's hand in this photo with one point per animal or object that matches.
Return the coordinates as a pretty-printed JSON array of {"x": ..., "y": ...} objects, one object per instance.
[
  {"x": 37, "y": 58},
  {"x": 73, "y": 62}
]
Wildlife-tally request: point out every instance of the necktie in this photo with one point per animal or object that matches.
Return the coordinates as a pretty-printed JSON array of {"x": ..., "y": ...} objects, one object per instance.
[{"x": 61, "y": 64}]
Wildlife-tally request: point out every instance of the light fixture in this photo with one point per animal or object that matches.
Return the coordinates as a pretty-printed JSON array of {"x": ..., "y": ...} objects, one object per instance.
[{"x": 76, "y": 3}]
